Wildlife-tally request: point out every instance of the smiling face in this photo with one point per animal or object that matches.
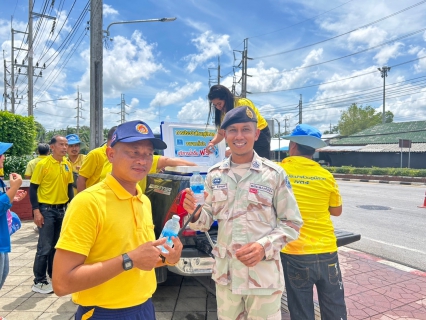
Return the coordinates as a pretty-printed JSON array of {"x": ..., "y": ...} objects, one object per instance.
[
  {"x": 218, "y": 104},
  {"x": 240, "y": 138},
  {"x": 131, "y": 161},
  {"x": 73, "y": 149}
]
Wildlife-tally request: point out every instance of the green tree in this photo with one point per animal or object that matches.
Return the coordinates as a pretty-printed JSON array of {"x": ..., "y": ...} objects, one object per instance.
[
  {"x": 40, "y": 132},
  {"x": 356, "y": 119},
  {"x": 19, "y": 130},
  {"x": 333, "y": 129}
]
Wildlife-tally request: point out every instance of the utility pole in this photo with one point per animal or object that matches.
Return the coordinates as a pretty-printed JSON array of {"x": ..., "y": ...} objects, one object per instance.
[
  {"x": 384, "y": 72},
  {"x": 244, "y": 70},
  {"x": 5, "y": 95},
  {"x": 212, "y": 81},
  {"x": 96, "y": 71},
  {"x": 285, "y": 125},
  {"x": 79, "y": 109},
  {"x": 123, "y": 109},
  {"x": 30, "y": 67},
  {"x": 300, "y": 110},
  {"x": 279, "y": 138}
]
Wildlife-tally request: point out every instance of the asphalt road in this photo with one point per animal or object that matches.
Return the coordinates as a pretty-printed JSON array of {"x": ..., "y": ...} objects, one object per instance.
[{"x": 397, "y": 234}]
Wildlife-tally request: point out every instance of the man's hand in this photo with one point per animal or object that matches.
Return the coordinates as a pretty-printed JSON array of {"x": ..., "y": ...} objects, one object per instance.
[
  {"x": 190, "y": 203},
  {"x": 250, "y": 254},
  {"x": 38, "y": 218},
  {"x": 147, "y": 256},
  {"x": 174, "y": 253},
  {"x": 20, "y": 194}
]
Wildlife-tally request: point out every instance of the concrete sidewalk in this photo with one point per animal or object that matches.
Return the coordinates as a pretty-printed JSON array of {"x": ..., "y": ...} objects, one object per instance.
[{"x": 374, "y": 289}]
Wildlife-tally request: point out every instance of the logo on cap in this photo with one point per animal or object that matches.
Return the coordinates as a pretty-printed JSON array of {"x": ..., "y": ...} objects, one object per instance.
[
  {"x": 141, "y": 128},
  {"x": 249, "y": 113},
  {"x": 113, "y": 137}
]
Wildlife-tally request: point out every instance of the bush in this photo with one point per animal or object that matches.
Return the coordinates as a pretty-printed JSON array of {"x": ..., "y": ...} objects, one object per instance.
[
  {"x": 360, "y": 170},
  {"x": 16, "y": 164},
  {"x": 342, "y": 169},
  {"x": 19, "y": 130},
  {"x": 379, "y": 171}
]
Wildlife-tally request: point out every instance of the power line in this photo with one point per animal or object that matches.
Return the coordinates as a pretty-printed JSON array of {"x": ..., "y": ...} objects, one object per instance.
[
  {"x": 314, "y": 17},
  {"x": 340, "y": 35}
]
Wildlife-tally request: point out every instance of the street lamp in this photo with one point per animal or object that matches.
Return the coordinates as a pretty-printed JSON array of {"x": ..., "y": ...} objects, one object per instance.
[
  {"x": 137, "y": 21},
  {"x": 279, "y": 138},
  {"x": 384, "y": 72},
  {"x": 35, "y": 104}
]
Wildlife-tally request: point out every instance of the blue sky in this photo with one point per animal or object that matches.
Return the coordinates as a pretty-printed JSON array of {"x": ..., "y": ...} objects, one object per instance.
[{"x": 328, "y": 52}]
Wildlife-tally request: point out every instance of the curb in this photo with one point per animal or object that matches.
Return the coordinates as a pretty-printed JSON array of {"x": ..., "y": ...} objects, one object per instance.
[
  {"x": 385, "y": 262},
  {"x": 383, "y": 181}
]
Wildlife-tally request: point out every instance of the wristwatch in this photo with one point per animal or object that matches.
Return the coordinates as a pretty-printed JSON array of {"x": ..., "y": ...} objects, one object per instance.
[{"x": 127, "y": 262}]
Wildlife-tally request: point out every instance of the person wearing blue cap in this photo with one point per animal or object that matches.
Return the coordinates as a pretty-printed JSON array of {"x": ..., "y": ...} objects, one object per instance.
[
  {"x": 74, "y": 156},
  {"x": 257, "y": 214},
  {"x": 107, "y": 250},
  {"x": 6, "y": 199},
  {"x": 312, "y": 258}
]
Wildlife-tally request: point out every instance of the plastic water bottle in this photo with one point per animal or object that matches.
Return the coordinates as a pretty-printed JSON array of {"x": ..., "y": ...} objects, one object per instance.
[
  {"x": 171, "y": 229},
  {"x": 196, "y": 182}
]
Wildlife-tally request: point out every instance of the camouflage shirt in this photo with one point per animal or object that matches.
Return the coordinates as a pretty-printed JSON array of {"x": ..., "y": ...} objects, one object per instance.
[{"x": 259, "y": 208}]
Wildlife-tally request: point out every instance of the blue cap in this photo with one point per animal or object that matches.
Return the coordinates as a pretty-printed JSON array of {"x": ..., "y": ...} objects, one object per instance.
[
  {"x": 306, "y": 135},
  {"x": 238, "y": 115},
  {"x": 4, "y": 146},
  {"x": 136, "y": 130},
  {"x": 73, "y": 139}
]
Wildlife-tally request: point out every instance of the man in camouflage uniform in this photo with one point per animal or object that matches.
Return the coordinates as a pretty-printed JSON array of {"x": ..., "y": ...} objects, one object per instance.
[{"x": 257, "y": 216}]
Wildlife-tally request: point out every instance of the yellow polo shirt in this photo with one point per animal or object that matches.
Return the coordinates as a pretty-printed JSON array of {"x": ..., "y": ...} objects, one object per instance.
[
  {"x": 95, "y": 166},
  {"x": 76, "y": 165},
  {"x": 315, "y": 190},
  {"x": 53, "y": 178},
  {"x": 153, "y": 169},
  {"x": 31, "y": 165},
  {"x": 1, "y": 172},
  {"x": 102, "y": 223},
  {"x": 239, "y": 102}
]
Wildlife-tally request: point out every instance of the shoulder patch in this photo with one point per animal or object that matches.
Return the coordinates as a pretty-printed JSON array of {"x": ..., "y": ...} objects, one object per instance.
[{"x": 272, "y": 165}]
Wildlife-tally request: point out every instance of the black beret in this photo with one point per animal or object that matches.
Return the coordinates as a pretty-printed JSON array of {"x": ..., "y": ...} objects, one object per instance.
[{"x": 238, "y": 115}]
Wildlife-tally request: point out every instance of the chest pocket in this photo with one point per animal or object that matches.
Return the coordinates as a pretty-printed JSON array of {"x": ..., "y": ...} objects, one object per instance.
[
  {"x": 260, "y": 207},
  {"x": 220, "y": 204}
]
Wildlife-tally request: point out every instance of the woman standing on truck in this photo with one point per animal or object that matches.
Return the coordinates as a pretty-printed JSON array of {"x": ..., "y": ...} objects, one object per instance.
[{"x": 222, "y": 101}]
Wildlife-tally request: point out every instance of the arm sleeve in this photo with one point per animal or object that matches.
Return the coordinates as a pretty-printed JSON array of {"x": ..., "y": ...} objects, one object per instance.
[
  {"x": 70, "y": 192},
  {"x": 5, "y": 203},
  {"x": 289, "y": 220},
  {"x": 33, "y": 196},
  {"x": 335, "y": 198}
]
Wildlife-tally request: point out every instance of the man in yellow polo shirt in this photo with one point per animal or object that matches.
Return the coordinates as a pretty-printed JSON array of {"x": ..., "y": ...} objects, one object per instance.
[
  {"x": 43, "y": 151},
  {"x": 107, "y": 251},
  {"x": 312, "y": 258},
  {"x": 50, "y": 191},
  {"x": 74, "y": 156},
  {"x": 95, "y": 166}
]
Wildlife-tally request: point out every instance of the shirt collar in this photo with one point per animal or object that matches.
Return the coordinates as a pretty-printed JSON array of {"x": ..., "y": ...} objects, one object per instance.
[
  {"x": 119, "y": 190},
  {"x": 256, "y": 163}
]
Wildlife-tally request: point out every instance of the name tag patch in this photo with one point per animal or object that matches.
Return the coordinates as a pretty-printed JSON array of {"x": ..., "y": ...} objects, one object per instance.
[
  {"x": 255, "y": 188},
  {"x": 219, "y": 186}
]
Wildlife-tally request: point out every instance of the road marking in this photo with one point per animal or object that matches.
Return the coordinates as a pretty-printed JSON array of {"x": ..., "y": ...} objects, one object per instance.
[{"x": 394, "y": 245}]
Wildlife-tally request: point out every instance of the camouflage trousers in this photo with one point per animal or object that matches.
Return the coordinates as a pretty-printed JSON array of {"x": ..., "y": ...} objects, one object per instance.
[{"x": 251, "y": 307}]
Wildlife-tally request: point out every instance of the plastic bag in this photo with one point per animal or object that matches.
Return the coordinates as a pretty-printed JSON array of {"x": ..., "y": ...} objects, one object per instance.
[{"x": 13, "y": 222}]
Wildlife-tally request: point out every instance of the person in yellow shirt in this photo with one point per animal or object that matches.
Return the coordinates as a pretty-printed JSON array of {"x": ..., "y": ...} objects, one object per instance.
[
  {"x": 50, "y": 191},
  {"x": 107, "y": 251},
  {"x": 95, "y": 165},
  {"x": 74, "y": 156},
  {"x": 312, "y": 258},
  {"x": 43, "y": 151},
  {"x": 222, "y": 101},
  {"x": 160, "y": 162}
]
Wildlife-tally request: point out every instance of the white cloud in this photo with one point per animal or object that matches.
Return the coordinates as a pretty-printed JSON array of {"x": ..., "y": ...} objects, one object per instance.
[
  {"x": 413, "y": 49},
  {"x": 371, "y": 35},
  {"x": 208, "y": 45},
  {"x": 165, "y": 98},
  {"x": 194, "y": 111},
  {"x": 421, "y": 65},
  {"x": 109, "y": 10},
  {"x": 388, "y": 52}
]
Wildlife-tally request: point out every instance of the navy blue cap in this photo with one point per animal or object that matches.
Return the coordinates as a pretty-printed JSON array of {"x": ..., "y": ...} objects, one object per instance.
[
  {"x": 4, "y": 146},
  {"x": 73, "y": 139},
  {"x": 238, "y": 115},
  {"x": 136, "y": 130},
  {"x": 306, "y": 135}
]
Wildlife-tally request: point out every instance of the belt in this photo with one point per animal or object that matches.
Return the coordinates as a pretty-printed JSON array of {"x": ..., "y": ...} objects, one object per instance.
[{"x": 54, "y": 206}]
